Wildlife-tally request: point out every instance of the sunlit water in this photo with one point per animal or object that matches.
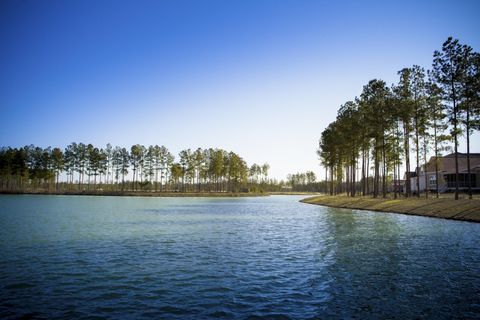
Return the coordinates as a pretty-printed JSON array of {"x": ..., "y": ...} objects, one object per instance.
[{"x": 131, "y": 258}]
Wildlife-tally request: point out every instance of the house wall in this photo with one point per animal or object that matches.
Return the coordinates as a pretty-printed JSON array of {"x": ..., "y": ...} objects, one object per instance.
[
  {"x": 421, "y": 183},
  {"x": 441, "y": 182}
]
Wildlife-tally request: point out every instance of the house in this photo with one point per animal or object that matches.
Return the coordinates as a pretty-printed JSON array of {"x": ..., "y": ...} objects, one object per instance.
[
  {"x": 412, "y": 175},
  {"x": 397, "y": 186},
  {"x": 446, "y": 174}
]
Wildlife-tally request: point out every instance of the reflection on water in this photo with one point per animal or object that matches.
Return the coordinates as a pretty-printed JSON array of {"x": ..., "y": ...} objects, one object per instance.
[{"x": 78, "y": 257}]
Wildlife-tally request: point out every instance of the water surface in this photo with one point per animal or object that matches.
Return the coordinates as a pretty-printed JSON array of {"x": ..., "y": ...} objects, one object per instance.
[{"x": 133, "y": 258}]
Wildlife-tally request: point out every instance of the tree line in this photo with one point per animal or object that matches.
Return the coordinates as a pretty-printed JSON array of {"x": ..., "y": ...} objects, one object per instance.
[
  {"x": 84, "y": 167},
  {"x": 424, "y": 113},
  {"x": 303, "y": 181}
]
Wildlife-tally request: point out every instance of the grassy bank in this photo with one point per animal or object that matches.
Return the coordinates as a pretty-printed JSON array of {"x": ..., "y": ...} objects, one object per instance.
[
  {"x": 464, "y": 209},
  {"x": 142, "y": 193}
]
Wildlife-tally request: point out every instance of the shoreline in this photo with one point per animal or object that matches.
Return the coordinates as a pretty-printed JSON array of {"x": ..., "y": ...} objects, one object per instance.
[
  {"x": 158, "y": 193},
  {"x": 462, "y": 210},
  {"x": 139, "y": 194}
]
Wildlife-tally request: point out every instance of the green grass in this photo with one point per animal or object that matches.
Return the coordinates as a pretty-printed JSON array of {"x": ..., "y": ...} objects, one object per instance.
[{"x": 445, "y": 207}]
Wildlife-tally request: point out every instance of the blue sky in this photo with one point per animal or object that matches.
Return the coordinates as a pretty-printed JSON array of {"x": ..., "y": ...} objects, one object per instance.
[{"x": 261, "y": 78}]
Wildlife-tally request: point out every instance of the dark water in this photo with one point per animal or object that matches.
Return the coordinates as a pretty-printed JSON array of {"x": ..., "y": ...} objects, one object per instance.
[{"x": 133, "y": 258}]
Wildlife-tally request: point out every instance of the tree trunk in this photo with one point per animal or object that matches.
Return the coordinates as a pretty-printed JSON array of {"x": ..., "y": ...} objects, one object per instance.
[
  {"x": 368, "y": 172},
  {"x": 468, "y": 155},
  {"x": 384, "y": 178},
  {"x": 134, "y": 173},
  {"x": 331, "y": 180},
  {"x": 455, "y": 139},
  {"x": 376, "y": 184},
  {"x": 354, "y": 170},
  {"x": 347, "y": 178},
  {"x": 425, "y": 166},
  {"x": 364, "y": 190},
  {"x": 406, "y": 135},
  {"x": 436, "y": 157},
  {"x": 417, "y": 150}
]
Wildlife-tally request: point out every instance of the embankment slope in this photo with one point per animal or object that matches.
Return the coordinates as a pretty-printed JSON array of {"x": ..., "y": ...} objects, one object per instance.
[{"x": 463, "y": 209}]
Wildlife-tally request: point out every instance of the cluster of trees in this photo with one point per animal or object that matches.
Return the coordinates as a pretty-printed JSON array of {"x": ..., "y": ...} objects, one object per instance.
[
  {"x": 378, "y": 130},
  {"x": 259, "y": 173},
  {"x": 153, "y": 168},
  {"x": 303, "y": 181}
]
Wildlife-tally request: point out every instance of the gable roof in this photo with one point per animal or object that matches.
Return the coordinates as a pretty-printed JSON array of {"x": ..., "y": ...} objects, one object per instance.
[
  {"x": 446, "y": 164},
  {"x": 413, "y": 174}
]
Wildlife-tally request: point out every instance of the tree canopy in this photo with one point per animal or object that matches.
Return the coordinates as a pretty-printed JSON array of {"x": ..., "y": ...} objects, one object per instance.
[{"x": 374, "y": 131}]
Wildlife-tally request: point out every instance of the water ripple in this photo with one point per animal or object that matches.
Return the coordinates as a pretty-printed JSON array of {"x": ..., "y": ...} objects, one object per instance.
[{"x": 258, "y": 258}]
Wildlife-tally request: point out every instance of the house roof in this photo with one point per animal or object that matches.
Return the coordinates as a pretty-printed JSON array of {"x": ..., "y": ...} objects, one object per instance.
[
  {"x": 447, "y": 163},
  {"x": 413, "y": 174},
  {"x": 462, "y": 155}
]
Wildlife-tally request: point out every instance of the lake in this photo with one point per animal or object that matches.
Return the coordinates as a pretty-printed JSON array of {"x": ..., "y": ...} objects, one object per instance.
[{"x": 266, "y": 257}]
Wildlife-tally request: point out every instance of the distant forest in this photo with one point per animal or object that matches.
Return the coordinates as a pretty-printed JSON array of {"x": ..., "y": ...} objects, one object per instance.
[
  {"x": 424, "y": 113},
  {"x": 84, "y": 167}
]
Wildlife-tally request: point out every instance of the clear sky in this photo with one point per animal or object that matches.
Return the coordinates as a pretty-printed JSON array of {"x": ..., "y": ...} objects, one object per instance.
[{"x": 261, "y": 78}]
